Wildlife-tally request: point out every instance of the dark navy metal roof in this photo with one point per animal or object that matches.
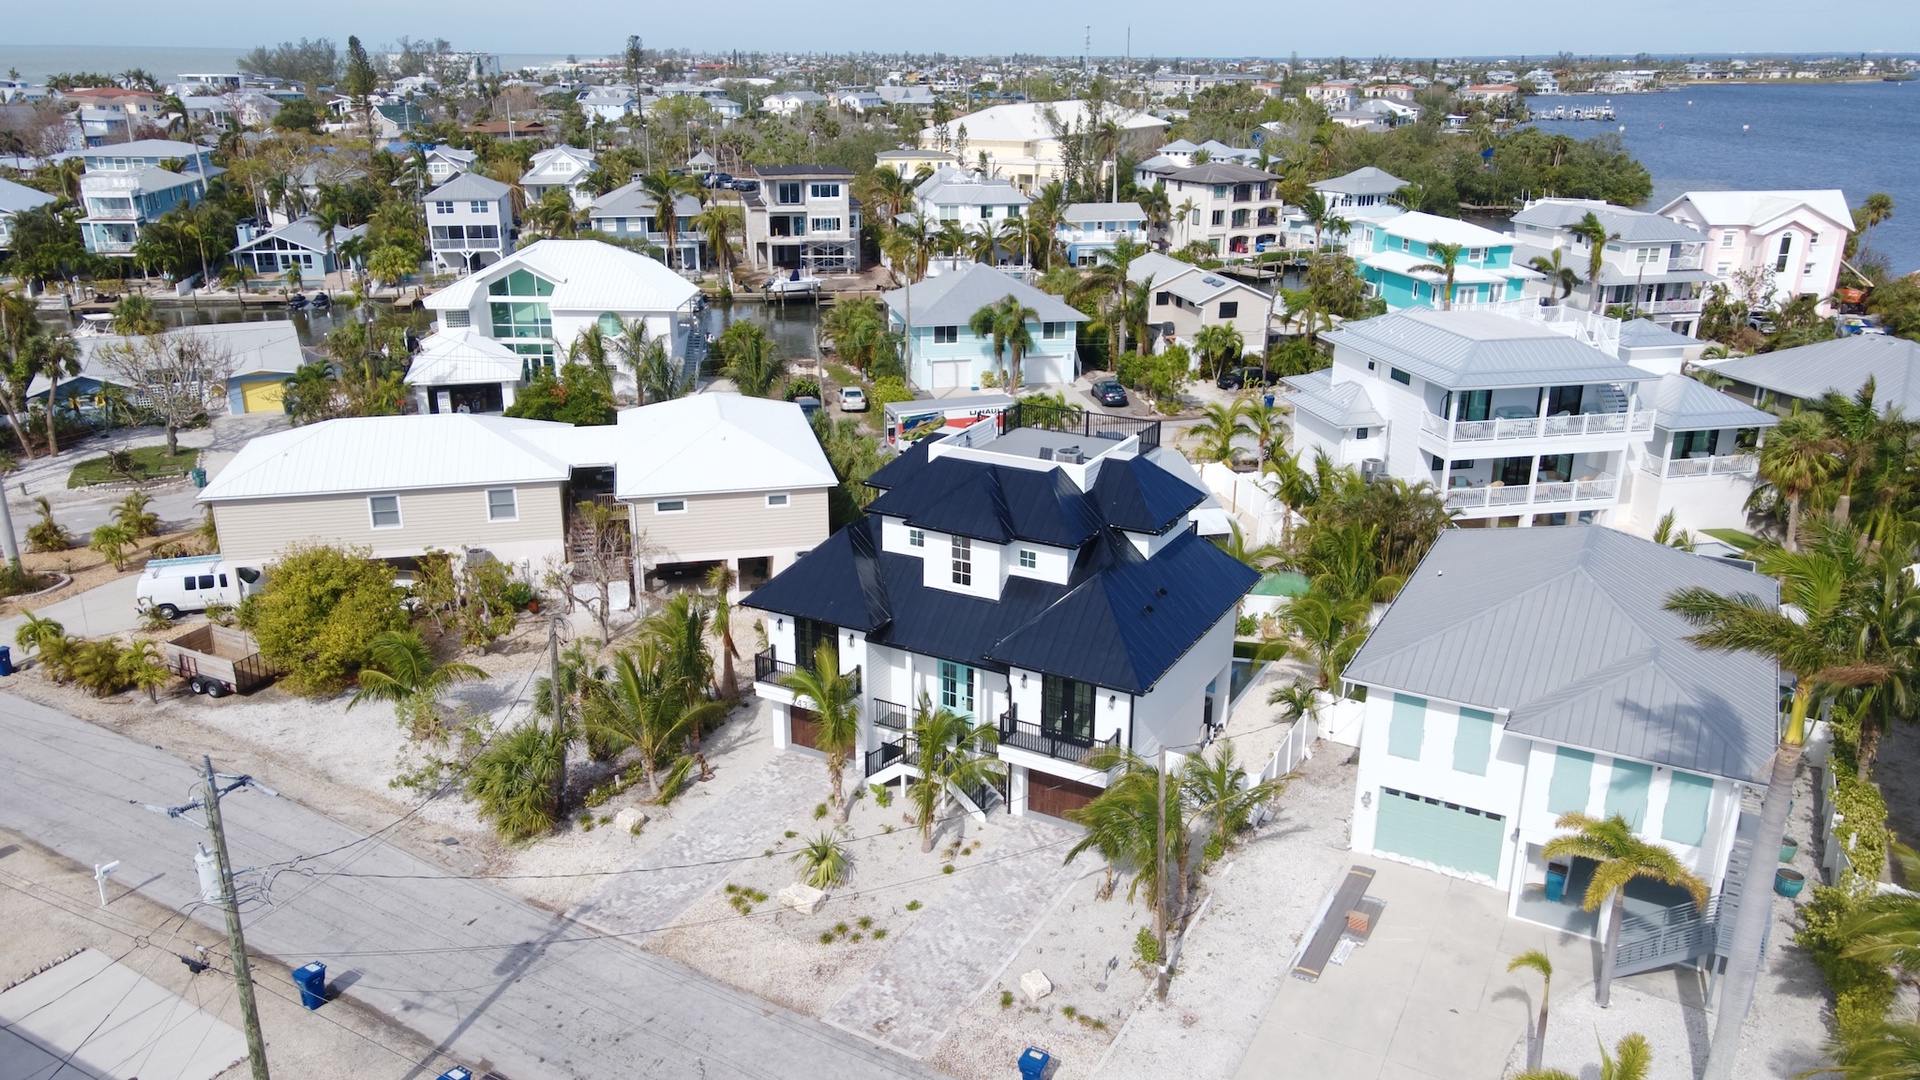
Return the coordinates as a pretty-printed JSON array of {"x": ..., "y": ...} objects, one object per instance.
[
  {"x": 901, "y": 470},
  {"x": 1126, "y": 626},
  {"x": 995, "y": 503},
  {"x": 1135, "y": 494}
]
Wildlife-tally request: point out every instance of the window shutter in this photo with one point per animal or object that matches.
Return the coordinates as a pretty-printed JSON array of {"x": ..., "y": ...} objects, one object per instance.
[
  {"x": 1688, "y": 797},
  {"x": 1473, "y": 742},
  {"x": 1572, "y": 783},
  {"x": 1408, "y": 727},
  {"x": 1627, "y": 792}
]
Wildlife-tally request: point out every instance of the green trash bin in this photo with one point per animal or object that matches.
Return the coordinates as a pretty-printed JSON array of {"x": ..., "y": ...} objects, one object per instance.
[{"x": 199, "y": 476}]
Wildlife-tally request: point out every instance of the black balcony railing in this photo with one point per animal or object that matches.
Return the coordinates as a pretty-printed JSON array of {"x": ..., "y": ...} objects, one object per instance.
[
  {"x": 1074, "y": 421},
  {"x": 768, "y": 668},
  {"x": 888, "y": 714},
  {"x": 1050, "y": 741},
  {"x": 882, "y": 756}
]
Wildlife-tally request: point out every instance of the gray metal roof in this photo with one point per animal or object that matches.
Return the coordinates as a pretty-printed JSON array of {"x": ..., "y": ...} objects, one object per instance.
[
  {"x": 1344, "y": 405},
  {"x": 1221, "y": 172},
  {"x": 1842, "y": 365},
  {"x": 1564, "y": 629},
  {"x": 469, "y": 186},
  {"x": 1365, "y": 180},
  {"x": 1684, "y": 404},
  {"x": 1474, "y": 350},
  {"x": 1614, "y": 274},
  {"x": 304, "y": 233},
  {"x": 15, "y": 198},
  {"x": 1634, "y": 226},
  {"x": 951, "y": 298},
  {"x": 1644, "y": 333},
  {"x": 634, "y": 200},
  {"x": 1103, "y": 211}
]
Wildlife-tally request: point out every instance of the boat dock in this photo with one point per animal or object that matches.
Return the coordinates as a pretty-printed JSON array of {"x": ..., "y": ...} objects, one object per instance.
[{"x": 1561, "y": 112}]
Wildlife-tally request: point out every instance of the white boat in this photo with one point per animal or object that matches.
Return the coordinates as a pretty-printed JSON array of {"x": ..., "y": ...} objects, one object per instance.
[
  {"x": 794, "y": 284},
  {"x": 94, "y": 324}
]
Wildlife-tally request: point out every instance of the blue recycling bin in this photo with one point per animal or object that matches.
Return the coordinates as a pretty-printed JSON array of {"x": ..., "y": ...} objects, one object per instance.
[
  {"x": 312, "y": 981},
  {"x": 1556, "y": 885},
  {"x": 1033, "y": 1063},
  {"x": 456, "y": 1073},
  {"x": 6, "y": 660}
]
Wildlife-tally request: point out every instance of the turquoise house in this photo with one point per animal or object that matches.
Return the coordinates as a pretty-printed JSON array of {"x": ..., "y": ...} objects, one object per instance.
[
  {"x": 1390, "y": 253},
  {"x": 948, "y": 355}
]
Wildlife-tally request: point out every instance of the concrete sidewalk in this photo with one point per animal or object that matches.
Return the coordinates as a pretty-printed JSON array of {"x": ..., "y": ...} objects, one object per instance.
[
  {"x": 98, "y": 612},
  {"x": 494, "y": 980}
]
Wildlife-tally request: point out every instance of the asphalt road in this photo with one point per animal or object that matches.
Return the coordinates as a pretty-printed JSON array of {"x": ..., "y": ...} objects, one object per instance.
[{"x": 498, "y": 983}]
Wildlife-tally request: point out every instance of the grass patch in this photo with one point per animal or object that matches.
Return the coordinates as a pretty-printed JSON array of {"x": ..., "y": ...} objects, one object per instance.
[
  {"x": 148, "y": 463},
  {"x": 1745, "y": 541}
]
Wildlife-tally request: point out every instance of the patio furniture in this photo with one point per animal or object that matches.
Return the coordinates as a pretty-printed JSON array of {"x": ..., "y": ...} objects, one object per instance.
[{"x": 1513, "y": 412}]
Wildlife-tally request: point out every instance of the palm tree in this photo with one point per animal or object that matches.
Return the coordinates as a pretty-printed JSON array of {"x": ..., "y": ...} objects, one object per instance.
[
  {"x": 823, "y": 861},
  {"x": 718, "y": 223},
  {"x": 1813, "y": 641},
  {"x": 1535, "y": 960},
  {"x": 752, "y": 363},
  {"x": 666, "y": 189},
  {"x": 836, "y": 713},
  {"x": 1267, "y": 422},
  {"x": 721, "y": 580},
  {"x": 650, "y": 712},
  {"x": 950, "y": 753},
  {"x": 679, "y": 631},
  {"x": 1622, "y": 857},
  {"x": 1187, "y": 212},
  {"x": 1667, "y": 534},
  {"x": 1864, "y": 437},
  {"x": 1219, "y": 344},
  {"x": 1797, "y": 460},
  {"x": 1446, "y": 256},
  {"x": 1333, "y": 628},
  {"x": 1123, "y": 824},
  {"x": 951, "y": 238},
  {"x": 515, "y": 780},
  {"x": 1221, "y": 425},
  {"x": 990, "y": 322},
  {"x": 1877, "y": 208},
  {"x": 404, "y": 673},
  {"x": 1261, "y": 557},
  {"x": 1556, "y": 272},
  {"x": 1220, "y": 794},
  {"x": 1320, "y": 216},
  {"x": 1594, "y": 231}
]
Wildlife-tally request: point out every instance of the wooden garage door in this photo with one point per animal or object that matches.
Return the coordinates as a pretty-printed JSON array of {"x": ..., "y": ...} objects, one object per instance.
[
  {"x": 1445, "y": 834},
  {"x": 803, "y": 727},
  {"x": 1054, "y": 796},
  {"x": 263, "y": 396}
]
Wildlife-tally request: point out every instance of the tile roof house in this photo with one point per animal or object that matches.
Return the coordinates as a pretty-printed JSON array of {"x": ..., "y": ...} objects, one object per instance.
[
  {"x": 1525, "y": 673},
  {"x": 1047, "y": 582}
]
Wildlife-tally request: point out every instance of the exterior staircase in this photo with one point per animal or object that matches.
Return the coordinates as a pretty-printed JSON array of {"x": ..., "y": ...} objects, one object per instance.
[
  {"x": 696, "y": 347},
  {"x": 1685, "y": 934}
]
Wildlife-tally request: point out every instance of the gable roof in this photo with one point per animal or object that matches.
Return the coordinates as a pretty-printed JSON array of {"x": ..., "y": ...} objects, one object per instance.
[
  {"x": 1564, "y": 629},
  {"x": 952, "y": 298},
  {"x": 634, "y": 200},
  {"x": 470, "y": 186},
  {"x": 15, "y": 198},
  {"x": 1027, "y": 121},
  {"x": 587, "y": 275},
  {"x": 1365, "y": 180},
  {"x": 1476, "y": 350},
  {"x": 1842, "y": 365},
  {"x": 712, "y": 443},
  {"x": 271, "y": 346},
  {"x": 1632, "y": 226},
  {"x": 1756, "y": 208},
  {"x": 387, "y": 453},
  {"x": 452, "y": 357},
  {"x": 1141, "y": 496},
  {"x": 1681, "y": 403},
  {"x": 1431, "y": 229},
  {"x": 1644, "y": 333},
  {"x": 303, "y": 232},
  {"x": 1344, "y": 405}
]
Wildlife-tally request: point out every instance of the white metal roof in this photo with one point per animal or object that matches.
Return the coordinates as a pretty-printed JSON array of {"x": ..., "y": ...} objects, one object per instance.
[
  {"x": 1400, "y": 262},
  {"x": 1027, "y": 121},
  {"x": 587, "y": 275},
  {"x": 388, "y": 453},
  {"x": 711, "y": 443},
  {"x": 453, "y": 357},
  {"x": 1432, "y": 229},
  {"x": 1754, "y": 208}
]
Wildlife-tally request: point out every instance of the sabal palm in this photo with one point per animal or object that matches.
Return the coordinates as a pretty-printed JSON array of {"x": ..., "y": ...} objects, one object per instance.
[
  {"x": 665, "y": 189},
  {"x": 1591, "y": 229},
  {"x": 950, "y": 752},
  {"x": 1622, "y": 857},
  {"x": 1267, "y": 422},
  {"x": 1797, "y": 460},
  {"x": 1446, "y": 258},
  {"x": 1536, "y": 961},
  {"x": 990, "y": 323},
  {"x": 718, "y": 223},
  {"x": 951, "y": 238},
  {"x": 1214, "y": 433},
  {"x": 1123, "y": 824},
  {"x": 836, "y": 714},
  {"x": 1557, "y": 273},
  {"x": 1220, "y": 344}
]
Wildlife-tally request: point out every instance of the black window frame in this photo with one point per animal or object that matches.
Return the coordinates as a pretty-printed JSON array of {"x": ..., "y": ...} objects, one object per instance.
[{"x": 1067, "y": 708}]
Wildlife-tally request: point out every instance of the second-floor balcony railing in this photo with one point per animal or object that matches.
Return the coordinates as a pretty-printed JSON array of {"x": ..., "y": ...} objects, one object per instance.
[
  {"x": 769, "y": 668},
  {"x": 1692, "y": 261},
  {"x": 888, "y": 714},
  {"x": 1500, "y": 429},
  {"x": 1714, "y": 465},
  {"x": 1547, "y": 495},
  {"x": 1687, "y": 306},
  {"x": 1048, "y": 740}
]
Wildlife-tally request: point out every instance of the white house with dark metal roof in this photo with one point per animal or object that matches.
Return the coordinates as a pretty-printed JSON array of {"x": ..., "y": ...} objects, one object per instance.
[
  {"x": 1526, "y": 673},
  {"x": 469, "y": 222},
  {"x": 1046, "y": 580},
  {"x": 1652, "y": 264},
  {"x": 948, "y": 355}
]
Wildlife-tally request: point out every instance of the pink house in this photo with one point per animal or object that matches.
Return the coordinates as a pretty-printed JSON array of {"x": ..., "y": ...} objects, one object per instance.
[{"x": 1796, "y": 236}]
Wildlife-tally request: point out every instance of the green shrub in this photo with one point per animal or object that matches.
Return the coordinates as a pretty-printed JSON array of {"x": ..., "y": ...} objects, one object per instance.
[
  {"x": 887, "y": 390},
  {"x": 319, "y": 612},
  {"x": 799, "y": 388},
  {"x": 513, "y": 780},
  {"x": 47, "y": 534},
  {"x": 131, "y": 514},
  {"x": 1863, "y": 991},
  {"x": 882, "y": 795},
  {"x": 1006, "y": 999},
  {"x": 1146, "y": 948}
]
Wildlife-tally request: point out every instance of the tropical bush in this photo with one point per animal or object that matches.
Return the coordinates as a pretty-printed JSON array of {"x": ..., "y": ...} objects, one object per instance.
[
  {"x": 823, "y": 861},
  {"x": 47, "y": 534},
  {"x": 516, "y": 781},
  {"x": 131, "y": 514},
  {"x": 318, "y": 616},
  {"x": 888, "y": 389},
  {"x": 1863, "y": 990},
  {"x": 112, "y": 542}
]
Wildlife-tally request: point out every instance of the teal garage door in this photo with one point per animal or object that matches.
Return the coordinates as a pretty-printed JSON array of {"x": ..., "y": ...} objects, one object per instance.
[{"x": 1444, "y": 834}]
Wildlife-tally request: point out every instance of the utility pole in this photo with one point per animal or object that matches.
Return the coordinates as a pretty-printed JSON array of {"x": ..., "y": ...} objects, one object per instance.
[
  {"x": 236, "y": 943},
  {"x": 1160, "y": 845},
  {"x": 559, "y": 711}
]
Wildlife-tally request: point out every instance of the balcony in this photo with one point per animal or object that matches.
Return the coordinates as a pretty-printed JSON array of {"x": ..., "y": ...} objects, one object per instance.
[
  {"x": 104, "y": 245},
  {"x": 1039, "y": 739},
  {"x": 1537, "y": 427},
  {"x": 888, "y": 714},
  {"x": 768, "y": 668},
  {"x": 1547, "y": 496},
  {"x": 1743, "y": 465},
  {"x": 96, "y": 212},
  {"x": 1694, "y": 261},
  {"x": 1688, "y": 306}
]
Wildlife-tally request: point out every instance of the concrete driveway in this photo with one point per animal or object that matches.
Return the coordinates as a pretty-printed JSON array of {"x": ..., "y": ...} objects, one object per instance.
[
  {"x": 1427, "y": 998},
  {"x": 98, "y": 612}
]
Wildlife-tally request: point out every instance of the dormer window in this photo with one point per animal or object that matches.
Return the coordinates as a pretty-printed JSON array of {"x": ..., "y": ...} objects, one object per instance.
[{"x": 1029, "y": 559}]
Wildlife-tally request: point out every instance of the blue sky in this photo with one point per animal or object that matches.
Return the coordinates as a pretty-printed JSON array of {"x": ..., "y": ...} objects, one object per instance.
[{"x": 1373, "y": 28}]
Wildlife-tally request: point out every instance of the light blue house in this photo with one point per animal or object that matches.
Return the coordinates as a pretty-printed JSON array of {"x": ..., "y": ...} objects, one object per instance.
[
  {"x": 948, "y": 355},
  {"x": 1391, "y": 250},
  {"x": 127, "y": 185},
  {"x": 1089, "y": 230}
]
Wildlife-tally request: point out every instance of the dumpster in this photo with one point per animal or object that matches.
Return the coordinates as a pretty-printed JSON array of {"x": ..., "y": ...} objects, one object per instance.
[
  {"x": 6, "y": 660},
  {"x": 312, "y": 981},
  {"x": 1033, "y": 1063}
]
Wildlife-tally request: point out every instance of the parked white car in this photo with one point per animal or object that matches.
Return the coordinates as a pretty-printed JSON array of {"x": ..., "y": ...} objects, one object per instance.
[
  {"x": 853, "y": 399},
  {"x": 174, "y": 587}
]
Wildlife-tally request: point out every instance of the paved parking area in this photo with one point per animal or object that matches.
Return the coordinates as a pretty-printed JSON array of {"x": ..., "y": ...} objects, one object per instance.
[{"x": 1427, "y": 998}]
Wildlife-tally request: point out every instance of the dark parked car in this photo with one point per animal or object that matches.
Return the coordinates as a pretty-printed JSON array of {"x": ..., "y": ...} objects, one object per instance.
[
  {"x": 1110, "y": 392},
  {"x": 1239, "y": 377},
  {"x": 746, "y": 185}
]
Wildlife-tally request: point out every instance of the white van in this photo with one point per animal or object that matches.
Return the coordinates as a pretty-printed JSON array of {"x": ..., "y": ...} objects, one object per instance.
[{"x": 175, "y": 586}]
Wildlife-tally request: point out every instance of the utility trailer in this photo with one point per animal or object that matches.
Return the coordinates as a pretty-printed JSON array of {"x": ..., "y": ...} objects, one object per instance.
[{"x": 217, "y": 661}]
